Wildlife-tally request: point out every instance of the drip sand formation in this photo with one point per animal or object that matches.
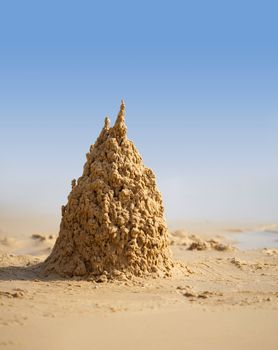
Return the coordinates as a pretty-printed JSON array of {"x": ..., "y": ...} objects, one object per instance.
[{"x": 113, "y": 222}]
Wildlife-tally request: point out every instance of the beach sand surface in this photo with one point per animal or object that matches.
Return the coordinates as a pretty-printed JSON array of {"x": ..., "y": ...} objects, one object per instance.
[{"x": 218, "y": 297}]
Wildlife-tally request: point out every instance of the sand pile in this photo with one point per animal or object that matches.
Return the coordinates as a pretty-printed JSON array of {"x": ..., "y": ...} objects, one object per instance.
[
  {"x": 113, "y": 222},
  {"x": 194, "y": 242}
]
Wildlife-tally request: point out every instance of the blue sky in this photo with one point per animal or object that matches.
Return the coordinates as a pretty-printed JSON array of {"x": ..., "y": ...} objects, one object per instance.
[{"x": 200, "y": 82}]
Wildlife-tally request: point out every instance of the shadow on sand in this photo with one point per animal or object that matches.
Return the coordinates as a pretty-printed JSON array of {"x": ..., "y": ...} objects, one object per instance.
[{"x": 27, "y": 273}]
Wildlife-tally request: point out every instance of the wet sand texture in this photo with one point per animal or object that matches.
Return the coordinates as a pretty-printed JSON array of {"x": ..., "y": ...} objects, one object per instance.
[{"x": 113, "y": 223}]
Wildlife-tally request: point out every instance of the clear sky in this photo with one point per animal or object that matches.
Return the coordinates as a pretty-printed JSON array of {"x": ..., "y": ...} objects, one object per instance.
[{"x": 200, "y": 82}]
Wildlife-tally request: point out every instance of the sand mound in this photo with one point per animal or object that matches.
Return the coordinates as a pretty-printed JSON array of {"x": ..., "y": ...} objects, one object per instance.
[
  {"x": 113, "y": 222},
  {"x": 194, "y": 242}
]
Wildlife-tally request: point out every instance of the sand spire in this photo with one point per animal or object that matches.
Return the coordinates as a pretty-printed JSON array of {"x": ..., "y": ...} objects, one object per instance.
[
  {"x": 113, "y": 222},
  {"x": 119, "y": 129}
]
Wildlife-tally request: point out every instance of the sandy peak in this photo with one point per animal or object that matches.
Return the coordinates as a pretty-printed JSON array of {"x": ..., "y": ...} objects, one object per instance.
[
  {"x": 107, "y": 123},
  {"x": 113, "y": 222},
  {"x": 119, "y": 128}
]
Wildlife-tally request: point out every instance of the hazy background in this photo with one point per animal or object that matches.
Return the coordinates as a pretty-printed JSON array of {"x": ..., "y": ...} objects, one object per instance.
[{"x": 200, "y": 82}]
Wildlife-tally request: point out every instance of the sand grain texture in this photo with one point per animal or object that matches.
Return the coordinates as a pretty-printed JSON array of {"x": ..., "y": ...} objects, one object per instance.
[
  {"x": 215, "y": 299},
  {"x": 113, "y": 222}
]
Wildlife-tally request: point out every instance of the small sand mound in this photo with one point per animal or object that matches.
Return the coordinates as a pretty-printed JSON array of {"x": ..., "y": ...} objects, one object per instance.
[
  {"x": 113, "y": 222},
  {"x": 194, "y": 242},
  {"x": 270, "y": 252},
  {"x": 38, "y": 237}
]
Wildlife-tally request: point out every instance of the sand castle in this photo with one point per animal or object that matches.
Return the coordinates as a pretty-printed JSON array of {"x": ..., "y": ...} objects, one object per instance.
[{"x": 113, "y": 223}]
